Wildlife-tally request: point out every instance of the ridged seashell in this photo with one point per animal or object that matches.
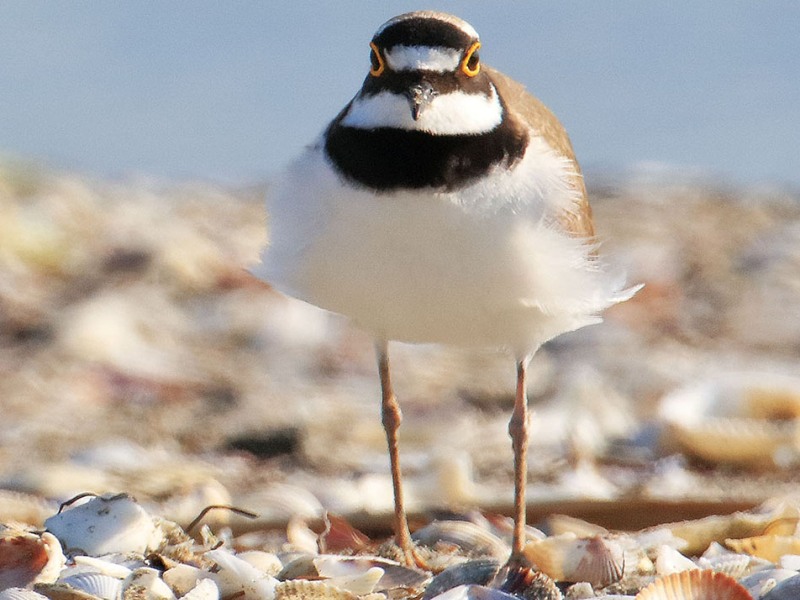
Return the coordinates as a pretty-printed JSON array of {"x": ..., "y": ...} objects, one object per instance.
[
  {"x": 96, "y": 584},
  {"x": 568, "y": 558},
  {"x": 761, "y": 582},
  {"x": 669, "y": 561},
  {"x": 106, "y": 525},
  {"x": 205, "y": 589},
  {"x": 239, "y": 577},
  {"x": 61, "y": 591},
  {"x": 17, "y": 593},
  {"x": 479, "y": 571},
  {"x": 735, "y": 565},
  {"x": 475, "y": 592},
  {"x": 472, "y": 539},
  {"x": 115, "y": 565},
  {"x": 768, "y": 547},
  {"x": 27, "y": 558},
  {"x": 145, "y": 583},
  {"x": 694, "y": 585},
  {"x": 303, "y": 589},
  {"x": 744, "y": 419}
]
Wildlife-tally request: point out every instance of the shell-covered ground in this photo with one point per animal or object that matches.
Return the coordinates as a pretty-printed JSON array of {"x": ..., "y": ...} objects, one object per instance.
[{"x": 137, "y": 355}]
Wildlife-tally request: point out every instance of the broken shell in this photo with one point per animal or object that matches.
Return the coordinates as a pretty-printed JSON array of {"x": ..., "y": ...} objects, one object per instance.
[
  {"x": 145, "y": 583},
  {"x": 239, "y": 577},
  {"x": 694, "y": 585},
  {"x": 568, "y": 558},
  {"x": 669, "y": 561},
  {"x": 183, "y": 578},
  {"x": 472, "y": 539},
  {"x": 730, "y": 563},
  {"x": 744, "y": 419},
  {"x": 266, "y": 562},
  {"x": 479, "y": 571},
  {"x": 106, "y": 525},
  {"x": 27, "y": 558},
  {"x": 205, "y": 589},
  {"x": 768, "y": 547}
]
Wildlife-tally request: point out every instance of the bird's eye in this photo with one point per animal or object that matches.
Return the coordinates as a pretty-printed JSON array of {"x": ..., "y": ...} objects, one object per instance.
[
  {"x": 471, "y": 64},
  {"x": 376, "y": 64}
]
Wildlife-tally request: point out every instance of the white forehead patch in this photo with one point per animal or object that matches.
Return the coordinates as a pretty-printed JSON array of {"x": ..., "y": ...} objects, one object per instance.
[
  {"x": 423, "y": 58},
  {"x": 448, "y": 114}
]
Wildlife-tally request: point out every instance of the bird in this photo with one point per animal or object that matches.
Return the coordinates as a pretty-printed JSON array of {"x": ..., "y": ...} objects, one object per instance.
[{"x": 443, "y": 204}]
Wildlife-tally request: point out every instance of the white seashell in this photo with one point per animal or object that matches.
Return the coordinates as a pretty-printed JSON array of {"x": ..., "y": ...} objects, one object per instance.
[
  {"x": 183, "y": 578},
  {"x": 105, "y": 525},
  {"x": 16, "y": 593},
  {"x": 790, "y": 561},
  {"x": 145, "y": 583},
  {"x": 359, "y": 576},
  {"x": 104, "y": 565},
  {"x": 96, "y": 584},
  {"x": 694, "y": 585},
  {"x": 669, "y": 561},
  {"x": 237, "y": 576},
  {"x": 568, "y": 558},
  {"x": 205, "y": 589},
  {"x": 266, "y": 562}
]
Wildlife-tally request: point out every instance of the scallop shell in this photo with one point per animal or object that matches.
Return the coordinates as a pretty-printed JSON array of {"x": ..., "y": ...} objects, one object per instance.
[
  {"x": 694, "y": 585},
  {"x": 106, "y": 525},
  {"x": 16, "y": 593},
  {"x": 472, "y": 539},
  {"x": 303, "y": 589},
  {"x": 768, "y": 547},
  {"x": 96, "y": 584},
  {"x": 741, "y": 419},
  {"x": 568, "y": 558}
]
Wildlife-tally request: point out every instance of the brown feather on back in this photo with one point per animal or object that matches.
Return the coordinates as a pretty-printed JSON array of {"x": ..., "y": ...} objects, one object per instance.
[{"x": 531, "y": 110}]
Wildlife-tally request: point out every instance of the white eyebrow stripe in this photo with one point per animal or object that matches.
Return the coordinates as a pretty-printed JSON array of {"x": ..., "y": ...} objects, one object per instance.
[{"x": 423, "y": 58}]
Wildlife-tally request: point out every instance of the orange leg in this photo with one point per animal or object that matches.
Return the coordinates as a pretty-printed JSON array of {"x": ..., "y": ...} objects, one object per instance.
[
  {"x": 392, "y": 417},
  {"x": 518, "y": 430}
]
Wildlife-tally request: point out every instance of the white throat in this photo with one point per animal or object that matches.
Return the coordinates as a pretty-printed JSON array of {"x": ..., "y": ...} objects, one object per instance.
[{"x": 448, "y": 114}]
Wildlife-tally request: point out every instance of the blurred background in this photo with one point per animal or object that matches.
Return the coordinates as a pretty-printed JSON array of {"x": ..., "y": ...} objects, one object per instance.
[
  {"x": 228, "y": 91},
  {"x": 137, "y": 143}
]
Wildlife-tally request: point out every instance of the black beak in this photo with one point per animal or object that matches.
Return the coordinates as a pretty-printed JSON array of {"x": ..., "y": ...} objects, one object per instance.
[{"x": 420, "y": 95}]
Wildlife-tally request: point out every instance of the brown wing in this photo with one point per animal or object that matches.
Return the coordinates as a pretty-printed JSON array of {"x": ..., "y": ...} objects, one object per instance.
[{"x": 535, "y": 114}]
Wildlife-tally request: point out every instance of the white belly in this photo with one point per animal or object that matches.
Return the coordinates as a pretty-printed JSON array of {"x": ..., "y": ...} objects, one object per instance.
[{"x": 484, "y": 266}]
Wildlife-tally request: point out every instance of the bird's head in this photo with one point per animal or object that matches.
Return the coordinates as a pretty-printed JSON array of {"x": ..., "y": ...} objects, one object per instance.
[{"x": 425, "y": 75}]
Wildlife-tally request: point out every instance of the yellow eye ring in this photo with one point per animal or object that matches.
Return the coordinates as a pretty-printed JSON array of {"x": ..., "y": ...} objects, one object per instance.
[
  {"x": 377, "y": 66},
  {"x": 471, "y": 69}
]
